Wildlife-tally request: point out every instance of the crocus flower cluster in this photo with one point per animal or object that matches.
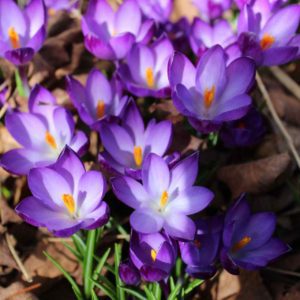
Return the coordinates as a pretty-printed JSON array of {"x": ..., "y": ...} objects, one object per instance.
[
  {"x": 43, "y": 132},
  {"x": 161, "y": 187},
  {"x": 22, "y": 32}
]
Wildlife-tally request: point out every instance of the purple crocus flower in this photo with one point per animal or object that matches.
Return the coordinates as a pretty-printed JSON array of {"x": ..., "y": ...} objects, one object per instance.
[
  {"x": 127, "y": 143},
  {"x": 98, "y": 99},
  {"x": 43, "y": 132},
  {"x": 66, "y": 197},
  {"x": 128, "y": 273},
  {"x": 154, "y": 255},
  {"x": 204, "y": 35},
  {"x": 212, "y": 9},
  {"x": 165, "y": 197},
  {"x": 22, "y": 32},
  {"x": 211, "y": 93},
  {"x": 145, "y": 73},
  {"x": 158, "y": 10},
  {"x": 245, "y": 132},
  {"x": 247, "y": 239},
  {"x": 266, "y": 36},
  {"x": 201, "y": 253},
  {"x": 109, "y": 34}
]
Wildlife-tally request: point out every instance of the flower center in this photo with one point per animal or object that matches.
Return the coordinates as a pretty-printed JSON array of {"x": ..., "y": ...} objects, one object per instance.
[
  {"x": 209, "y": 96},
  {"x": 153, "y": 255},
  {"x": 50, "y": 140},
  {"x": 14, "y": 38},
  {"x": 69, "y": 202},
  {"x": 163, "y": 199},
  {"x": 241, "y": 244},
  {"x": 149, "y": 77},
  {"x": 100, "y": 109},
  {"x": 138, "y": 155},
  {"x": 267, "y": 41}
]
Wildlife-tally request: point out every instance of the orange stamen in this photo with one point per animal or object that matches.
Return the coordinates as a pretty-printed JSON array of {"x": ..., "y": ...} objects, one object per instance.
[
  {"x": 209, "y": 96},
  {"x": 138, "y": 155},
  {"x": 100, "y": 109},
  {"x": 267, "y": 41},
  {"x": 69, "y": 202},
  {"x": 14, "y": 38},
  {"x": 150, "y": 77},
  {"x": 164, "y": 199},
  {"x": 241, "y": 244},
  {"x": 50, "y": 140}
]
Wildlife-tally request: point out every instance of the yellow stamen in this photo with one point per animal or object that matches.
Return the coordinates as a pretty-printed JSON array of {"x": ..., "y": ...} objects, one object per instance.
[
  {"x": 153, "y": 255},
  {"x": 138, "y": 155},
  {"x": 100, "y": 109},
  {"x": 69, "y": 202},
  {"x": 209, "y": 96},
  {"x": 14, "y": 38},
  {"x": 241, "y": 244},
  {"x": 164, "y": 199},
  {"x": 267, "y": 41},
  {"x": 50, "y": 140},
  {"x": 150, "y": 77}
]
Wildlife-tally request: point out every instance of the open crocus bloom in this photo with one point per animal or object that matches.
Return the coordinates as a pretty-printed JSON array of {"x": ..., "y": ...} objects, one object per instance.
[
  {"x": 212, "y": 9},
  {"x": 146, "y": 71},
  {"x": 22, "y": 33},
  {"x": 109, "y": 34},
  {"x": 98, "y": 99},
  {"x": 154, "y": 255},
  {"x": 165, "y": 197},
  {"x": 65, "y": 198},
  {"x": 204, "y": 35},
  {"x": 211, "y": 93},
  {"x": 269, "y": 38},
  {"x": 247, "y": 239},
  {"x": 42, "y": 132},
  {"x": 200, "y": 254},
  {"x": 158, "y": 10},
  {"x": 127, "y": 144}
]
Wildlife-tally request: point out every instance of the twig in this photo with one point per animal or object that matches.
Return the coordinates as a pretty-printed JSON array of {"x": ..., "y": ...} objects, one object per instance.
[
  {"x": 284, "y": 272},
  {"x": 287, "y": 81},
  {"x": 277, "y": 120},
  {"x": 16, "y": 257},
  {"x": 3, "y": 109},
  {"x": 25, "y": 290}
]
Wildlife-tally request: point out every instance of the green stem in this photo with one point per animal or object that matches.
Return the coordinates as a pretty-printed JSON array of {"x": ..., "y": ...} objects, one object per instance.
[{"x": 88, "y": 263}]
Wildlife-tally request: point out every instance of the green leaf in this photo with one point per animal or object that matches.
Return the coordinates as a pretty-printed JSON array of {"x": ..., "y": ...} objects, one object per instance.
[
  {"x": 120, "y": 291},
  {"x": 73, "y": 251},
  {"x": 74, "y": 285},
  {"x": 178, "y": 267},
  {"x": 134, "y": 293},
  {"x": 156, "y": 290},
  {"x": 195, "y": 283},
  {"x": 79, "y": 244},
  {"x": 172, "y": 283},
  {"x": 88, "y": 263},
  {"x": 105, "y": 290},
  {"x": 101, "y": 263},
  {"x": 175, "y": 291},
  {"x": 94, "y": 295},
  {"x": 149, "y": 293},
  {"x": 19, "y": 83}
]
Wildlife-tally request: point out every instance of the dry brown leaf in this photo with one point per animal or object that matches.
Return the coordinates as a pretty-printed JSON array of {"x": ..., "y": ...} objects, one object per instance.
[
  {"x": 256, "y": 176},
  {"x": 14, "y": 292},
  {"x": 6, "y": 258},
  {"x": 7, "y": 142},
  {"x": 7, "y": 214}
]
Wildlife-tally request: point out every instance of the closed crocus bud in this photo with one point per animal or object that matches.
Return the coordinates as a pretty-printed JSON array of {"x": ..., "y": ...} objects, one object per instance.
[
  {"x": 201, "y": 253},
  {"x": 154, "y": 255},
  {"x": 128, "y": 273}
]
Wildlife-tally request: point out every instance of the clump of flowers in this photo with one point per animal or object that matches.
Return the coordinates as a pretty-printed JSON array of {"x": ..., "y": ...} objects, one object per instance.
[{"x": 136, "y": 162}]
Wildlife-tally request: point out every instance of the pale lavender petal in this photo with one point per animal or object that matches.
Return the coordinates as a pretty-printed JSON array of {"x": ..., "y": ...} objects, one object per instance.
[
  {"x": 279, "y": 56},
  {"x": 129, "y": 191},
  {"x": 39, "y": 96},
  {"x": 155, "y": 174},
  {"x": 122, "y": 44},
  {"x": 79, "y": 142},
  {"x": 146, "y": 221},
  {"x": 36, "y": 16},
  {"x": 97, "y": 218},
  {"x": 180, "y": 226},
  {"x": 190, "y": 200}
]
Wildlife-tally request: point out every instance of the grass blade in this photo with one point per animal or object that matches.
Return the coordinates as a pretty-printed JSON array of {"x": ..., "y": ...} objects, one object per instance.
[
  {"x": 120, "y": 291},
  {"x": 135, "y": 294},
  {"x": 111, "y": 294}
]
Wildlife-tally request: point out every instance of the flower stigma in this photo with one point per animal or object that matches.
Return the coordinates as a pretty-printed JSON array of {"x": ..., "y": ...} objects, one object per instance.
[
  {"x": 153, "y": 255},
  {"x": 209, "y": 96},
  {"x": 69, "y": 202},
  {"x": 267, "y": 41},
  {"x": 138, "y": 155},
  {"x": 14, "y": 38},
  {"x": 149, "y": 77},
  {"x": 241, "y": 244},
  {"x": 50, "y": 140},
  {"x": 100, "y": 110},
  {"x": 163, "y": 199}
]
